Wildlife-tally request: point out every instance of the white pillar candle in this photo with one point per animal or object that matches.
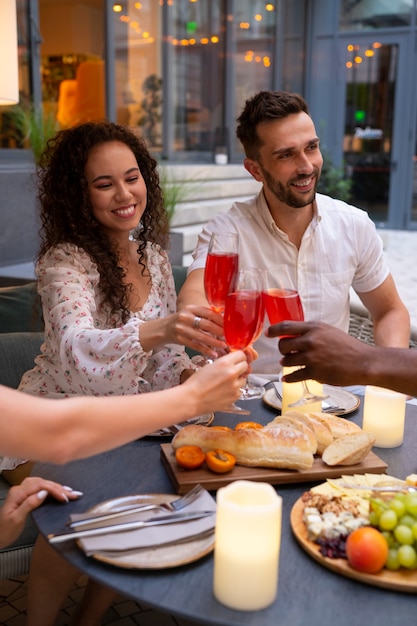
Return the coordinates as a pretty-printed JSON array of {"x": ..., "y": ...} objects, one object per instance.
[
  {"x": 291, "y": 392},
  {"x": 247, "y": 543},
  {"x": 383, "y": 416}
]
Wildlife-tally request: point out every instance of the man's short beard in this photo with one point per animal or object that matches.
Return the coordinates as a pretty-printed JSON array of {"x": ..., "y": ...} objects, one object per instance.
[{"x": 285, "y": 195}]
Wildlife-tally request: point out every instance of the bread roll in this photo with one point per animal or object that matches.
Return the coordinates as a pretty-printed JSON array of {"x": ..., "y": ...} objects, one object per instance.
[
  {"x": 290, "y": 421},
  {"x": 287, "y": 448},
  {"x": 322, "y": 431},
  {"x": 339, "y": 426},
  {"x": 349, "y": 449}
]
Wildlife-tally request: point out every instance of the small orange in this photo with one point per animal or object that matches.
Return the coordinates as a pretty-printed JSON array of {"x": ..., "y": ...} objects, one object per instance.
[
  {"x": 220, "y": 461},
  {"x": 246, "y": 425},
  {"x": 366, "y": 550},
  {"x": 190, "y": 457}
]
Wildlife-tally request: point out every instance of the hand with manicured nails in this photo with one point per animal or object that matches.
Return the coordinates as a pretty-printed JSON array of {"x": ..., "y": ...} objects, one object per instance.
[{"x": 24, "y": 498}]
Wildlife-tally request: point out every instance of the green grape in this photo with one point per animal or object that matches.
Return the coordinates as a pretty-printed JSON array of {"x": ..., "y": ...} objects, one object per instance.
[
  {"x": 414, "y": 529},
  {"x": 410, "y": 502},
  {"x": 390, "y": 539},
  {"x": 398, "y": 506},
  {"x": 407, "y": 520},
  {"x": 377, "y": 505},
  {"x": 373, "y": 518},
  {"x": 407, "y": 556},
  {"x": 388, "y": 520},
  {"x": 392, "y": 561},
  {"x": 404, "y": 534}
]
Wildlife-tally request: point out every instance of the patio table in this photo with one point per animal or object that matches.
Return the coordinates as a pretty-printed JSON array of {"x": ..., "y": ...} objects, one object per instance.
[{"x": 308, "y": 593}]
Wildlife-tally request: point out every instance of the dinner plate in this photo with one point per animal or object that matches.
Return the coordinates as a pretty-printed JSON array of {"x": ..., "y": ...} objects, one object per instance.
[
  {"x": 169, "y": 431},
  {"x": 152, "y": 557},
  {"x": 345, "y": 401},
  {"x": 401, "y": 580}
]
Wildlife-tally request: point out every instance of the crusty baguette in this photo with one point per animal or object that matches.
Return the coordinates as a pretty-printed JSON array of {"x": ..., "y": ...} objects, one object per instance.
[
  {"x": 291, "y": 421},
  {"x": 322, "y": 431},
  {"x": 349, "y": 449},
  {"x": 258, "y": 447},
  {"x": 339, "y": 426}
]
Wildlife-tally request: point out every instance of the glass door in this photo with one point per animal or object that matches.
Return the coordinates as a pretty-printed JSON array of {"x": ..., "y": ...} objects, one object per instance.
[{"x": 373, "y": 106}]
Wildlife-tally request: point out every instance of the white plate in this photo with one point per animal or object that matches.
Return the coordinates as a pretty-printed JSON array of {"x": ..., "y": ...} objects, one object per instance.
[
  {"x": 154, "y": 557},
  {"x": 346, "y": 401},
  {"x": 169, "y": 431}
]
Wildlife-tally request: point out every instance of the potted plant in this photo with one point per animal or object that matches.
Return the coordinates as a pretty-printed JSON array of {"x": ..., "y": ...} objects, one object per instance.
[
  {"x": 34, "y": 127},
  {"x": 174, "y": 192}
]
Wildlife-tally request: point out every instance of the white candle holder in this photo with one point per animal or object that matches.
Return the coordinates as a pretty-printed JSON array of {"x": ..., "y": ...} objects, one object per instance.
[
  {"x": 247, "y": 544},
  {"x": 383, "y": 416}
]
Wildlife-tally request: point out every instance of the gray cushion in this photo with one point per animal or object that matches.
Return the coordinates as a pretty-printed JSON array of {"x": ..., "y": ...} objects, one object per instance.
[
  {"x": 180, "y": 274},
  {"x": 17, "y": 354},
  {"x": 20, "y": 309}
]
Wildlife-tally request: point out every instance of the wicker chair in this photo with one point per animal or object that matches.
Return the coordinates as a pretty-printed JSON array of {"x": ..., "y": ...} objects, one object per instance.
[{"x": 361, "y": 327}]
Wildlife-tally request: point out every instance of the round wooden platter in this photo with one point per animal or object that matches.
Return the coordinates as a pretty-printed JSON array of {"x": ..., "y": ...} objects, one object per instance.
[{"x": 401, "y": 580}]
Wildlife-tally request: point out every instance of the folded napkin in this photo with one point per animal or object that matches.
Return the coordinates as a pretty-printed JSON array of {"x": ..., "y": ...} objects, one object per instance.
[
  {"x": 263, "y": 379},
  {"x": 151, "y": 536}
]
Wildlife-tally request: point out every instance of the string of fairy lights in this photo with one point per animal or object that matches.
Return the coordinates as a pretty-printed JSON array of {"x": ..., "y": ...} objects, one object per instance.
[{"x": 192, "y": 38}]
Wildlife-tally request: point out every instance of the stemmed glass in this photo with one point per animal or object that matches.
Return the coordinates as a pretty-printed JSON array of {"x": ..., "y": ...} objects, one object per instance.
[
  {"x": 282, "y": 302},
  {"x": 221, "y": 268},
  {"x": 242, "y": 313},
  {"x": 252, "y": 391}
]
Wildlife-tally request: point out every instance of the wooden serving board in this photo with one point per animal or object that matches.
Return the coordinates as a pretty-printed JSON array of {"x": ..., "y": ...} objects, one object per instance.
[
  {"x": 401, "y": 580},
  {"x": 184, "y": 480}
]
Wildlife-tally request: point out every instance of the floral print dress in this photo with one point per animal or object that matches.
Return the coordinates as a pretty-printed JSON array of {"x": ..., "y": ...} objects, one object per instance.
[{"x": 85, "y": 354}]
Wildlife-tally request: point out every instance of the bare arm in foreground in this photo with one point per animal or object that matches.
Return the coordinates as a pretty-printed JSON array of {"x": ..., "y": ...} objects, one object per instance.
[
  {"x": 331, "y": 356},
  {"x": 62, "y": 430}
]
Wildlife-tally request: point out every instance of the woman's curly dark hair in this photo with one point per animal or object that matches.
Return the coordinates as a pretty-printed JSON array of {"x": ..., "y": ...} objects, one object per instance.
[{"x": 66, "y": 213}]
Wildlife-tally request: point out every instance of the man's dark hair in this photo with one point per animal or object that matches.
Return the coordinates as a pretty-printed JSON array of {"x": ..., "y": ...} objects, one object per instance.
[{"x": 265, "y": 106}]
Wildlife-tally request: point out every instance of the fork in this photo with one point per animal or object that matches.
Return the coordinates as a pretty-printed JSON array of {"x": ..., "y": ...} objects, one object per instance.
[{"x": 172, "y": 507}]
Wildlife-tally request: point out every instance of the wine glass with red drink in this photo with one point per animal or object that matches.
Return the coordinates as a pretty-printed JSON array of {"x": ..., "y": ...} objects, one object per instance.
[
  {"x": 221, "y": 268},
  {"x": 282, "y": 302},
  {"x": 251, "y": 390},
  {"x": 242, "y": 313}
]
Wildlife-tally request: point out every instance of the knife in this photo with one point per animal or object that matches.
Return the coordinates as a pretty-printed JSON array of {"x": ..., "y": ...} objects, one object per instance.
[
  {"x": 117, "y": 528},
  {"x": 120, "y": 512}
]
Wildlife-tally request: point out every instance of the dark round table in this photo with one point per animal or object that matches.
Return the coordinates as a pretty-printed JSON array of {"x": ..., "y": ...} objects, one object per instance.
[{"x": 308, "y": 593}]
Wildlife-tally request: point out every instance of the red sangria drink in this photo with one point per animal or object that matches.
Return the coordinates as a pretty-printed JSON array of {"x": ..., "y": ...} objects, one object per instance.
[
  {"x": 241, "y": 318},
  {"x": 243, "y": 315},
  {"x": 283, "y": 304},
  {"x": 219, "y": 277}
]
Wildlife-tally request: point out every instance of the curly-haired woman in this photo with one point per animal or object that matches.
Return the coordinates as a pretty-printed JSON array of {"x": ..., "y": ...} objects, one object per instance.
[{"x": 108, "y": 294}]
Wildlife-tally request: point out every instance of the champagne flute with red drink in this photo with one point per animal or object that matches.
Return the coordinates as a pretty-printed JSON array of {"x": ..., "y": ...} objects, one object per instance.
[
  {"x": 242, "y": 313},
  {"x": 221, "y": 268},
  {"x": 251, "y": 390},
  {"x": 282, "y": 302}
]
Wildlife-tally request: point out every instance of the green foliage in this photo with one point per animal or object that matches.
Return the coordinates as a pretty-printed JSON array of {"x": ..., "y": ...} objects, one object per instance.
[
  {"x": 35, "y": 126},
  {"x": 333, "y": 181},
  {"x": 174, "y": 191}
]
